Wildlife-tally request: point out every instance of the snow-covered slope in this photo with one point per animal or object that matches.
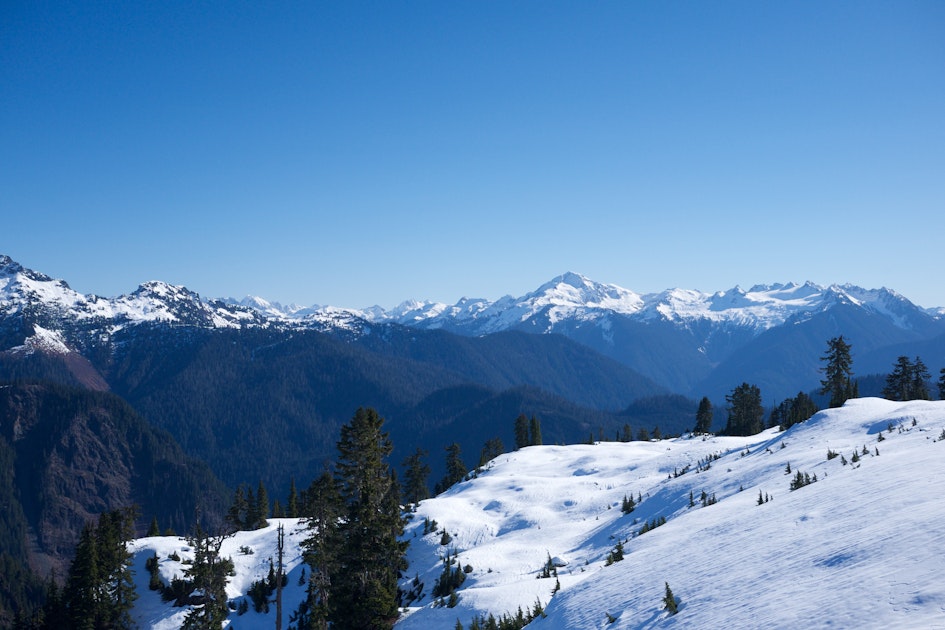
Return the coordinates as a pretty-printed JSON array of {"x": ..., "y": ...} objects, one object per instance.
[{"x": 862, "y": 546}]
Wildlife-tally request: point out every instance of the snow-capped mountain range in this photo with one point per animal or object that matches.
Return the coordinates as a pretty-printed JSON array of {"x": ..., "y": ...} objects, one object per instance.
[
  {"x": 687, "y": 341},
  {"x": 860, "y": 547},
  {"x": 570, "y": 297}
]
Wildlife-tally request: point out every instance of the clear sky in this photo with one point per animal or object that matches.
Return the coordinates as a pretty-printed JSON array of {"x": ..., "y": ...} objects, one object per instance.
[{"x": 358, "y": 153}]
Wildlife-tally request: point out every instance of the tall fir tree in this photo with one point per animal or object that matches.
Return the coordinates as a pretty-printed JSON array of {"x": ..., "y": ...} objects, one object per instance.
[
  {"x": 704, "y": 416},
  {"x": 534, "y": 431},
  {"x": 208, "y": 573},
  {"x": 941, "y": 384},
  {"x": 82, "y": 586},
  {"x": 370, "y": 555},
  {"x": 920, "y": 380},
  {"x": 521, "y": 431},
  {"x": 838, "y": 373},
  {"x": 262, "y": 507},
  {"x": 745, "y": 412},
  {"x": 322, "y": 507},
  {"x": 100, "y": 589},
  {"x": 455, "y": 468},
  {"x": 292, "y": 502},
  {"x": 416, "y": 473}
]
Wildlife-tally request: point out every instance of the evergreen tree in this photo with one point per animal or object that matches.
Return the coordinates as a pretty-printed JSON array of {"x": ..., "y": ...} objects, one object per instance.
[
  {"x": 262, "y": 508},
  {"x": 899, "y": 381},
  {"x": 100, "y": 588},
  {"x": 292, "y": 503},
  {"x": 745, "y": 413},
  {"x": 370, "y": 555},
  {"x": 669, "y": 601},
  {"x": 323, "y": 509},
  {"x": 626, "y": 434},
  {"x": 153, "y": 529},
  {"x": 490, "y": 450},
  {"x": 416, "y": 472},
  {"x": 455, "y": 468},
  {"x": 237, "y": 515},
  {"x": 941, "y": 384},
  {"x": 82, "y": 586},
  {"x": 908, "y": 380},
  {"x": 704, "y": 416},
  {"x": 838, "y": 373},
  {"x": 521, "y": 431},
  {"x": 793, "y": 411},
  {"x": 208, "y": 575},
  {"x": 920, "y": 380},
  {"x": 534, "y": 431}
]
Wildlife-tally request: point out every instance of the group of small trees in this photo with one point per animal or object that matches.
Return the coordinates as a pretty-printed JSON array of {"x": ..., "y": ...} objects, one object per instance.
[
  {"x": 527, "y": 431},
  {"x": 99, "y": 590},
  {"x": 909, "y": 380}
]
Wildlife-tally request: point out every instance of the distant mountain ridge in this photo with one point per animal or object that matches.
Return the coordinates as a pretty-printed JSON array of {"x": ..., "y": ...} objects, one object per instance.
[{"x": 687, "y": 341}]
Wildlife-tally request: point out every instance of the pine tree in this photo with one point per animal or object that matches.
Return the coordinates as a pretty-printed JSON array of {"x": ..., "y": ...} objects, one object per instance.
[
  {"x": 521, "y": 431},
  {"x": 262, "y": 508},
  {"x": 416, "y": 472},
  {"x": 153, "y": 529},
  {"x": 941, "y": 384},
  {"x": 534, "y": 431},
  {"x": 208, "y": 574},
  {"x": 745, "y": 413},
  {"x": 100, "y": 589},
  {"x": 292, "y": 503},
  {"x": 838, "y": 373},
  {"x": 455, "y": 468},
  {"x": 899, "y": 381},
  {"x": 238, "y": 514},
  {"x": 626, "y": 433},
  {"x": 82, "y": 585},
  {"x": 669, "y": 601},
  {"x": 370, "y": 556},
  {"x": 920, "y": 381},
  {"x": 704, "y": 416},
  {"x": 323, "y": 508}
]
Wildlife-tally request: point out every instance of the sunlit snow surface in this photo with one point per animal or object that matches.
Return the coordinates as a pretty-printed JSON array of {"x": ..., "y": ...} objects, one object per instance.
[{"x": 864, "y": 546}]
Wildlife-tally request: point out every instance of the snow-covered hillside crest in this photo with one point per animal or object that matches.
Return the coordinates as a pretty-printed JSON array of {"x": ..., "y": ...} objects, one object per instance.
[{"x": 862, "y": 546}]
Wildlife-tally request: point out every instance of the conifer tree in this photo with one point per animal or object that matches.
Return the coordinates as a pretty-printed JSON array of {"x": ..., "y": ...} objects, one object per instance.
[
  {"x": 370, "y": 556},
  {"x": 838, "y": 373},
  {"x": 745, "y": 413},
  {"x": 704, "y": 416},
  {"x": 82, "y": 585},
  {"x": 920, "y": 380},
  {"x": 521, "y": 431},
  {"x": 262, "y": 508},
  {"x": 238, "y": 514},
  {"x": 100, "y": 589},
  {"x": 534, "y": 431},
  {"x": 208, "y": 574},
  {"x": 323, "y": 509},
  {"x": 669, "y": 601},
  {"x": 416, "y": 472},
  {"x": 153, "y": 529},
  {"x": 292, "y": 503},
  {"x": 455, "y": 468},
  {"x": 941, "y": 384}
]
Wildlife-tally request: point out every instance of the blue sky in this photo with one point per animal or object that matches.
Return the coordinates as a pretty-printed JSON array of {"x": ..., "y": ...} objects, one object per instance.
[{"x": 355, "y": 153}]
